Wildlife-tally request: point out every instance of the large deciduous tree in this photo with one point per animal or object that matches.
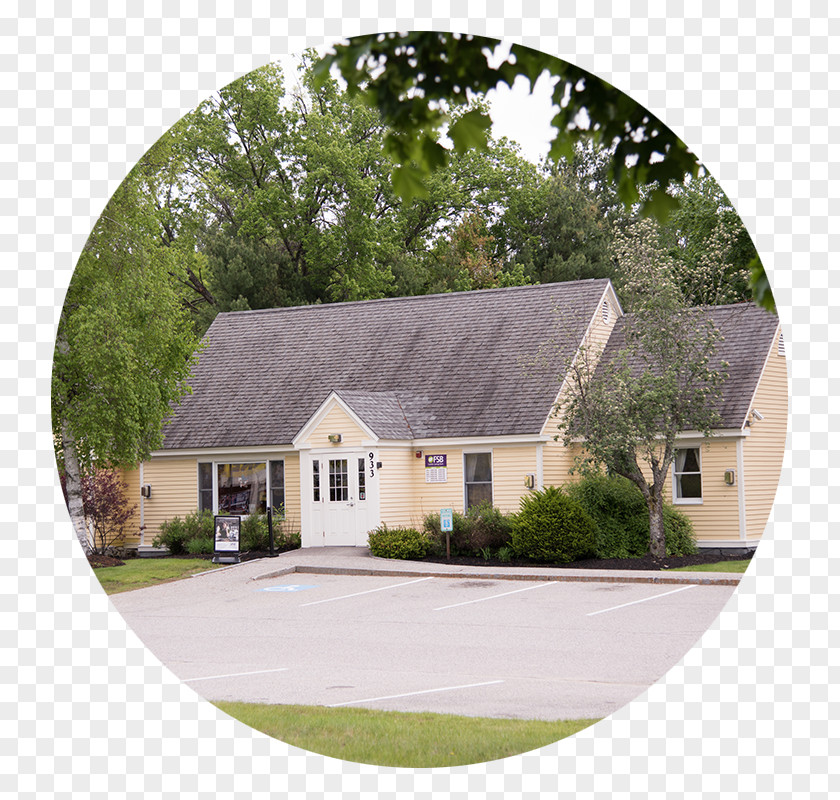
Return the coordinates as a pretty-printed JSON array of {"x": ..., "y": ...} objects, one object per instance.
[
  {"x": 416, "y": 78},
  {"x": 124, "y": 345},
  {"x": 625, "y": 407}
]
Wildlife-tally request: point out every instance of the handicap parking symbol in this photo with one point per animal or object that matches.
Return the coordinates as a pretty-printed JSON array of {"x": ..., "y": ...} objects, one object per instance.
[{"x": 290, "y": 587}]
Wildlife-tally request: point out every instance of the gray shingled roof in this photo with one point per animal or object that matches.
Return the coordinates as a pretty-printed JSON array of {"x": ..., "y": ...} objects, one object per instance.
[
  {"x": 747, "y": 332},
  {"x": 421, "y": 367}
]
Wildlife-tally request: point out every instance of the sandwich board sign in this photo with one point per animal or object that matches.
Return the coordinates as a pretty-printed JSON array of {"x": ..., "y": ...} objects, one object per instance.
[{"x": 226, "y": 535}]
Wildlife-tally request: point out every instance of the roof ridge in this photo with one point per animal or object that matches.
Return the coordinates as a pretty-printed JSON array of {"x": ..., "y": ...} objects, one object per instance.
[{"x": 404, "y": 298}]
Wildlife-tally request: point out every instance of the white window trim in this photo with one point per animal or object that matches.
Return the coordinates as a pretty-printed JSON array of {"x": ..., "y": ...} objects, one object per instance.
[
  {"x": 687, "y": 501},
  {"x": 473, "y": 451}
]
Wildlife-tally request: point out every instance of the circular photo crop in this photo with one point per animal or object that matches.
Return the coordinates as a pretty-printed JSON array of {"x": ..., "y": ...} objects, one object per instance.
[{"x": 450, "y": 378}]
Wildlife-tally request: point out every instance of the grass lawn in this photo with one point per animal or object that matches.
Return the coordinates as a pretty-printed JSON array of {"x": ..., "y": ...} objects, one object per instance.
[
  {"x": 139, "y": 572},
  {"x": 720, "y": 566},
  {"x": 397, "y": 739}
]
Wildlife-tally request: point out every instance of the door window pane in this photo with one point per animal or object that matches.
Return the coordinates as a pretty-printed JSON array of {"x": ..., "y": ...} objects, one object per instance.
[
  {"x": 316, "y": 481},
  {"x": 361, "y": 479},
  {"x": 339, "y": 483}
]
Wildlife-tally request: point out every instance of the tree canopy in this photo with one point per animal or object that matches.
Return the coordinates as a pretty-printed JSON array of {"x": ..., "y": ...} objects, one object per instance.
[{"x": 414, "y": 79}]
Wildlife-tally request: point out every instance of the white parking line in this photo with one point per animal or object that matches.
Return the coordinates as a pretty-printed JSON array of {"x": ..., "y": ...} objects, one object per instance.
[
  {"x": 494, "y": 596},
  {"x": 356, "y": 594},
  {"x": 412, "y": 694},
  {"x": 643, "y": 600},
  {"x": 235, "y": 675}
]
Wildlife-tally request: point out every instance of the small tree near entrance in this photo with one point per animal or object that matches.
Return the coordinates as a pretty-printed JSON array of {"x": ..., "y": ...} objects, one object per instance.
[
  {"x": 106, "y": 509},
  {"x": 624, "y": 406}
]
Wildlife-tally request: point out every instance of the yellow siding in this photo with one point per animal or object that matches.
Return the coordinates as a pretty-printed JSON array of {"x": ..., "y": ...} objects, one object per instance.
[
  {"x": 717, "y": 517},
  {"x": 292, "y": 476},
  {"x": 764, "y": 449},
  {"x": 174, "y": 483},
  {"x": 397, "y": 500},
  {"x": 131, "y": 477},
  {"x": 435, "y": 496},
  {"x": 510, "y": 466},
  {"x": 338, "y": 420}
]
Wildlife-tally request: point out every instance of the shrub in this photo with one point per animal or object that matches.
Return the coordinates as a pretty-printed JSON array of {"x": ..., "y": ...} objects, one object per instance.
[
  {"x": 388, "y": 542},
  {"x": 679, "y": 533},
  {"x": 621, "y": 516},
  {"x": 253, "y": 534},
  {"x": 176, "y": 534},
  {"x": 486, "y": 528},
  {"x": 551, "y": 526},
  {"x": 617, "y": 507},
  {"x": 458, "y": 536},
  {"x": 483, "y": 527},
  {"x": 201, "y": 545}
]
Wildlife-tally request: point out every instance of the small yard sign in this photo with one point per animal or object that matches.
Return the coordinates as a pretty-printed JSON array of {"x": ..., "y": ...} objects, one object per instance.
[{"x": 446, "y": 519}]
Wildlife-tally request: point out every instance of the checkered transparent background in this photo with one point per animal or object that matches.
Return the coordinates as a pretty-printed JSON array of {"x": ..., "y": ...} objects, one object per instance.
[{"x": 87, "y": 711}]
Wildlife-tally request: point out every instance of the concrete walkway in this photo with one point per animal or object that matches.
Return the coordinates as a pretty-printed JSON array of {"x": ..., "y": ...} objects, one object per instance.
[{"x": 359, "y": 561}]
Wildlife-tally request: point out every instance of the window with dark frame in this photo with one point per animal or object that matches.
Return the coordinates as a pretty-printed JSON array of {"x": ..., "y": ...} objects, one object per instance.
[
  {"x": 277, "y": 478},
  {"x": 205, "y": 487},
  {"x": 478, "y": 479}
]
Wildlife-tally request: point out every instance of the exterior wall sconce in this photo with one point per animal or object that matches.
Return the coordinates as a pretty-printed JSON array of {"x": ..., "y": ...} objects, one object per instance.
[
  {"x": 146, "y": 490},
  {"x": 530, "y": 481},
  {"x": 335, "y": 438},
  {"x": 729, "y": 477}
]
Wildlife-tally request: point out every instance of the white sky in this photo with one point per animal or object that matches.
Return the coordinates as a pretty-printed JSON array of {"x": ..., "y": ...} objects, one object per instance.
[{"x": 518, "y": 115}]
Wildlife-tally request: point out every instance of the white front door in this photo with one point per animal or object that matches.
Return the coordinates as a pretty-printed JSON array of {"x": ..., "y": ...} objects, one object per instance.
[{"x": 341, "y": 497}]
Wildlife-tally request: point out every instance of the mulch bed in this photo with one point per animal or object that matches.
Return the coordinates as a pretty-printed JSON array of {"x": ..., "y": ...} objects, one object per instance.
[{"x": 646, "y": 562}]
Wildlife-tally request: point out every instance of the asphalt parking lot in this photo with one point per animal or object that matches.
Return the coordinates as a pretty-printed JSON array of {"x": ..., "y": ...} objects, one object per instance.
[{"x": 523, "y": 648}]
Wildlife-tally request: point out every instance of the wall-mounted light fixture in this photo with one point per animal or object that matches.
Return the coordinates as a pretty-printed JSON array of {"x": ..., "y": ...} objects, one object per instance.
[
  {"x": 530, "y": 480},
  {"x": 146, "y": 490},
  {"x": 729, "y": 477},
  {"x": 335, "y": 438}
]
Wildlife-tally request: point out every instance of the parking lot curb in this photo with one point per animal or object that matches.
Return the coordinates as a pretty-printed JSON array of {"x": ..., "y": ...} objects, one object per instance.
[{"x": 580, "y": 576}]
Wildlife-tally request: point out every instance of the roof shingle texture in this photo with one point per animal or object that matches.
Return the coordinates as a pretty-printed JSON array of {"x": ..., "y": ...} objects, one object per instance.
[
  {"x": 415, "y": 367},
  {"x": 747, "y": 332}
]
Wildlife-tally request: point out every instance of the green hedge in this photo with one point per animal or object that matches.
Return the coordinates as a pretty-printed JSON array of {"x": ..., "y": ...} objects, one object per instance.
[
  {"x": 622, "y": 518},
  {"x": 388, "y": 542},
  {"x": 553, "y": 527},
  {"x": 194, "y": 534}
]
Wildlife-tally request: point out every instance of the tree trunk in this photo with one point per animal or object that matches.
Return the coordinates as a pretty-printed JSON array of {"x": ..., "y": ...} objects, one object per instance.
[
  {"x": 73, "y": 485},
  {"x": 657, "y": 524}
]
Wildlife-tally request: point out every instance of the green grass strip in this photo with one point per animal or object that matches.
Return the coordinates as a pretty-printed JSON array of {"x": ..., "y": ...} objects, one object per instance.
[
  {"x": 399, "y": 739},
  {"x": 137, "y": 573},
  {"x": 720, "y": 566}
]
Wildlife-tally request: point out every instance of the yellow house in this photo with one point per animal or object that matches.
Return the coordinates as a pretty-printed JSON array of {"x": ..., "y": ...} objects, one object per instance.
[{"x": 353, "y": 414}]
